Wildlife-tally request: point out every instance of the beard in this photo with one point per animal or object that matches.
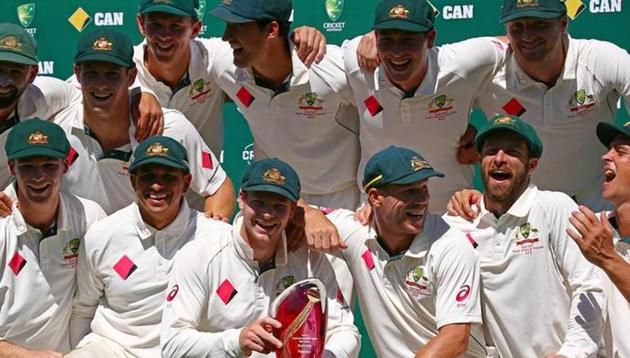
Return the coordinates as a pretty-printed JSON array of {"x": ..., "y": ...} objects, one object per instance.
[
  {"x": 505, "y": 195},
  {"x": 11, "y": 98}
]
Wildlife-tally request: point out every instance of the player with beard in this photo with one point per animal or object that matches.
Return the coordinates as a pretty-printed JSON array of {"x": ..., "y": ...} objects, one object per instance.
[
  {"x": 605, "y": 238},
  {"x": 540, "y": 296}
]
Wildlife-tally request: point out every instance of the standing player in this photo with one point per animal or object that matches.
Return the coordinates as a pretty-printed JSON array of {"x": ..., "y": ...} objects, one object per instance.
[
  {"x": 417, "y": 280},
  {"x": 176, "y": 65},
  {"x": 540, "y": 296},
  {"x": 125, "y": 259},
  {"x": 222, "y": 286},
  {"x": 420, "y": 96},
  {"x": 605, "y": 241},
  {"x": 102, "y": 133},
  {"x": 563, "y": 87},
  {"x": 39, "y": 242}
]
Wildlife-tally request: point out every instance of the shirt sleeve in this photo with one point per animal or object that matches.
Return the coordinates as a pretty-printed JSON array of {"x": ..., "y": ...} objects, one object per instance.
[
  {"x": 90, "y": 286},
  {"x": 342, "y": 336},
  {"x": 56, "y": 95},
  {"x": 582, "y": 279},
  {"x": 207, "y": 173},
  {"x": 456, "y": 280},
  {"x": 186, "y": 302},
  {"x": 614, "y": 63}
]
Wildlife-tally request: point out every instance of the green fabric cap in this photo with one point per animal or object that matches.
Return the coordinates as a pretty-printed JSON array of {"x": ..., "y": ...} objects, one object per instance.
[
  {"x": 396, "y": 165},
  {"x": 516, "y": 125},
  {"x": 543, "y": 9},
  {"x": 272, "y": 175},
  {"x": 238, "y": 11},
  {"x": 406, "y": 15},
  {"x": 36, "y": 137},
  {"x": 107, "y": 46},
  {"x": 173, "y": 7},
  {"x": 606, "y": 132},
  {"x": 17, "y": 45},
  {"x": 160, "y": 150}
]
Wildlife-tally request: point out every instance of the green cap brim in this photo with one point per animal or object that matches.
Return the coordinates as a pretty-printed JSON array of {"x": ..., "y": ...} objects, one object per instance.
[
  {"x": 404, "y": 25},
  {"x": 272, "y": 189},
  {"x": 17, "y": 58},
  {"x": 227, "y": 15},
  {"x": 606, "y": 132},
  {"x": 532, "y": 13},
  {"x": 166, "y": 9},
  {"x": 157, "y": 160},
  {"x": 103, "y": 57},
  {"x": 38, "y": 151}
]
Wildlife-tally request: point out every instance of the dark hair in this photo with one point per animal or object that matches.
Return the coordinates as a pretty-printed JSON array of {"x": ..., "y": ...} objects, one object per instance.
[{"x": 283, "y": 27}]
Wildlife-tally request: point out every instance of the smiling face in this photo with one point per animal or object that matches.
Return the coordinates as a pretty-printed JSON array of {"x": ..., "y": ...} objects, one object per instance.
[
  {"x": 404, "y": 56},
  {"x": 533, "y": 40},
  {"x": 616, "y": 187},
  {"x": 168, "y": 36},
  {"x": 505, "y": 167},
  {"x": 248, "y": 42},
  {"x": 159, "y": 192},
  {"x": 265, "y": 216},
  {"x": 400, "y": 209},
  {"x": 104, "y": 85},
  {"x": 38, "y": 178},
  {"x": 14, "y": 78}
]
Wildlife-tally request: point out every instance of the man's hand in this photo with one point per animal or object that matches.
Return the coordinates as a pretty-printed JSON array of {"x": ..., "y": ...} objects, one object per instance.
[
  {"x": 5, "y": 205},
  {"x": 367, "y": 55},
  {"x": 311, "y": 44},
  {"x": 257, "y": 337},
  {"x": 364, "y": 214},
  {"x": 321, "y": 234},
  {"x": 216, "y": 216},
  {"x": 465, "y": 204},
  {"x": 595, "y": 236},
  {"x": 146, "y": 112},
  {"x": 466, "y": 152}
]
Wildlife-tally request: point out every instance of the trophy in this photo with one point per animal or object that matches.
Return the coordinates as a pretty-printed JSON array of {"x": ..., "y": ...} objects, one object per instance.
[{"x": 302, "y": 310}]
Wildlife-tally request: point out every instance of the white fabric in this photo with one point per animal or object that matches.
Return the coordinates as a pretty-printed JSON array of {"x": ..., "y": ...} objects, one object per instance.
[
  {"x": 565, "y": 126},
  {"x": 197, "y": 322},
  {"x": 457, "y": 71},
  {"x": 108, "y": 180},
  {"x": 316, "y": 138},
  {"x": 197, "y": 97},
  {"x": 120, "y": 303},
  {"x": 540, "y": 295},
  {"x": 403, "y": 311},
  {"x": 36, "y": 303}
]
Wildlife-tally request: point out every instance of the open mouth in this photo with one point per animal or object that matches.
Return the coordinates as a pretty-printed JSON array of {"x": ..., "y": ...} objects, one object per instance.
[
  {"x": 164, "y": 48},
  {"x": 399, "y": 65},
  {"x": 38, "y": 189},
  {"x": 101, "y": 96},
  {"x": 500, "y": 176},
  {"x": 609, "y": 175},
  {"x": 157, "y": 198},
  {"x": 267, "y": 227},
  {"x": 415, "y": 214},
  {"x": 6, "y": 90}
]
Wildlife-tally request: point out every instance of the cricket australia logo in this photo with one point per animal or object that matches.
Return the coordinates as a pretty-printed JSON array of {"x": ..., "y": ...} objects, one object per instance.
[
  {"x": 26, "y": 13},
  {"x": 102, "y": 44},
  {"x": 399, "y": 12},
  {"x": 10, "y": 42},
  {"x": 310, "y": 105},
  {"x": 580, "y": 103},
  {"x": 37, "y": 137},
  {"x": 417, "y": 284},
  {"x": 71, "y": 253},
  {"x": 274, "y": 175},
  {"x": 200, "y": 90},
  {"x": 526, "y": 239},
  {"x": 440, "y": 107},
  {"x": 283, "y": 284}
]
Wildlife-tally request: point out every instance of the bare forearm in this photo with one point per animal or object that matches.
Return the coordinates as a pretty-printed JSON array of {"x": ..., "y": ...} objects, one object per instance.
[
  {"x": 221, "y": 203},
  {"x": 9, "y": 350},
  {"x": 619, "y": 272},
  {"x": 447, "y": 344}
]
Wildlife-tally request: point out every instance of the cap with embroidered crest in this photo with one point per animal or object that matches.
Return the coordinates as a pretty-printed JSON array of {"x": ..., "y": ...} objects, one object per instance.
[
  {"x": 17, "y": 45},
  {"x": 406, "y": 15},
  {"x": 513, "y": 124},
  {"x": 274, "y": 176},
  {"x": 396, "y": 165},
  {"x": 606, "y": 131},
  {"x": 239, "y": 11},
  {"x": 173, "y": 7},
  {"x": 542, "y": 9},
  {"x": 36, "y": 137},
  {"x": 107, "y": 46},
  {"x": 159, "y": 150}
]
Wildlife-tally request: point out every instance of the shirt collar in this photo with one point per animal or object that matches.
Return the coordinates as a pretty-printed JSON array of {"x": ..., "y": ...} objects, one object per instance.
[
  {"x": 428, "y": 84},
  {"x": 517, "y": 78},
  {"x": 175, "y": 228},
  {"x": 298, "y": 76},
  {"x": 22, "y": 226},
  {"x": 245, "y": 252},
  {"x": 520, "y": 208}
]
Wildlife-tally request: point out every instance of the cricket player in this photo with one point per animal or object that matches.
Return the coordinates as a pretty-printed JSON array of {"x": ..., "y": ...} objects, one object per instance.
[
  {"x": 563, "y": 87},
  {"x": 39, "y": 242},
  {"x": 176, "y": 65},
  {"x": 101, "y": 132},
  {"x": 540, "y": 296},
  {"x": 125, "y": 259},
  {"x": 420, "y": 96},
  {"x": 417, "y": 280},
  {"x": 221, "y": 287},
  {"x": 605, "y": 239}
]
